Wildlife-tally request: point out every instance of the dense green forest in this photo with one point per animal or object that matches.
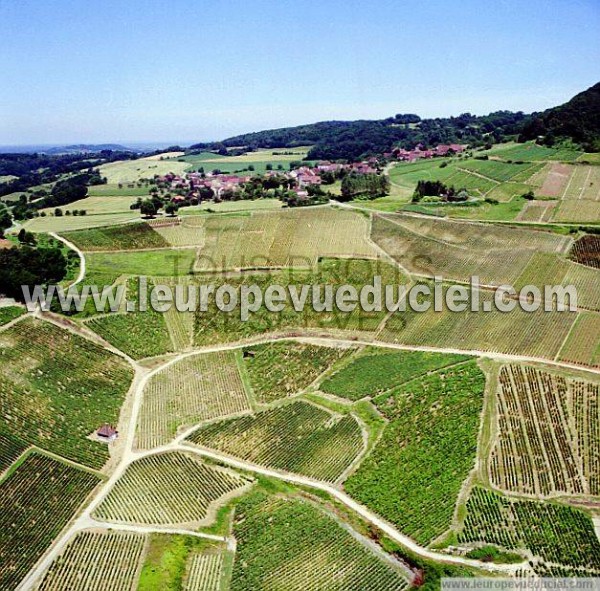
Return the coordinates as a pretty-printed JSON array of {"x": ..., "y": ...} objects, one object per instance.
[{"x": 577, "y": 120}]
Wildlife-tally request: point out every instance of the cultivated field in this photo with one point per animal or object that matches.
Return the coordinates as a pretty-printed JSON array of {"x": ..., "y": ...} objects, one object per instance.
[
  {"x": 192, "y": 390},
  {"x": 291, "y": 544},
  {"x": 130, "y": 171},
  {"x": 548, "y": 438},
  {"x": 99, "y": 560},
  {"x": 550, "y": 269},
  {"x": 163, "y": 262},
  {"x": 582, "y": 344},
  {"x": 532, "y": 152},
  {"x": 536, "y": 334},
  {"x": 126, "y": 237},
  {"x": 57, "y": 388},
  {"x": 280, "y": 369},
  {"x": 36, "y": 501},
  {"x": 551, "y": 533},
  {"x": 297, "y": 437},
  {"x": 375, "y": 371},
  {"x": 169, "y": 489},
  {"x": 214, "y": 326},
  {"x": 169, "y": 564},
  {"x": 11, "y": 448},
  {"x": 458, "y": 251},
  {"x": 586, "y": 251},
  {"x": 296, "y": 237},
  {"x": 414, "y": 474},
  {"x": 259, "y": 159},
  {"x": 67, "y": 223}
]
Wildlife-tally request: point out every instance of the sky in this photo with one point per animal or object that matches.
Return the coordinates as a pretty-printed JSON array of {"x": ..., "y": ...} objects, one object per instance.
[{"x": 184, "y": 71}]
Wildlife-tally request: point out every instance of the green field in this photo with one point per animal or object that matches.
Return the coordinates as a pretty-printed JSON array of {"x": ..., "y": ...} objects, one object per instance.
[
  {"x": 297, "y": 437},
  {"x": 9, "y": 313},
  {"x": 291, "y": 544},
  {"x": 151, "y": 263},
  {"x": 258, "y": 159},
  {"x": 374, "y": 372},
  {"x": 414, "y": 475},
  {"x": 36, "y": 501},
  {"x": 277, "y": 370},
  {"x": 58, "y": 388}
]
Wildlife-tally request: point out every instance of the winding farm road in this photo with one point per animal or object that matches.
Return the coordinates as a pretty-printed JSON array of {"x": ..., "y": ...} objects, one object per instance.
[{"x": 82, "y": 263}]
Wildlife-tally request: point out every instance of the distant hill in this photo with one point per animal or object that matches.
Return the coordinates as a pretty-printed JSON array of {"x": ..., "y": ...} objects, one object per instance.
[
  {"x": 577, "y": 120},
  {"x": 87, "y": 148},
  {"x": 334, "y": 140}
]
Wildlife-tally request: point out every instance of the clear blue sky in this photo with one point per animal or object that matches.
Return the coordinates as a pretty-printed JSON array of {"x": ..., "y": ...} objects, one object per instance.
[{"x": 191, "y": 70}]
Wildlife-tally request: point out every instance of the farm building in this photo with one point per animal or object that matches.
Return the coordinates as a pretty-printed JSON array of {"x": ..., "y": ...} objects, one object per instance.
[{"x": 107, "y": 433}]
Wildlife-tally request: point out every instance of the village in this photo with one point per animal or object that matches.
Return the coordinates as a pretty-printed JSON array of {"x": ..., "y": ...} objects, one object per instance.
[{"x": 303, "y": 181}]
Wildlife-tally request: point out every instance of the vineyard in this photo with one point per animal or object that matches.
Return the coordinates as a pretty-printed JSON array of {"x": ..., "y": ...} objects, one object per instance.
[
  {"x": 372, "y": 373},
  {"x": 9, "y": 313},
  {"x": 536, "y": 334},
  {"x": 548, "y": 433},
  {"x": 548, "y": 269},
  {"x": 186, "y": 233},
  {"x": 138, "y": 334},
  {"x": 551, "y": 533},
  {"x": 297, "y": 437},
  {"x": 280, "y": 369},
  {"x": 99, "y": 560},
  {"x": 414, "y": 474},
  {"x": 502, "y": 171},
  {"x": 531, "y": 151},
  {"x": 10, "y": 449},
  {"x": 169, "y": 559},
  {"x": 458, "y": 251},
  {"x": 294, "y": 238},
  {"x": 36, "y": 501},
  {"x": 205, "y": 572},
  {"x": 121, "y": 237},
  {"x": 582, "y": 344},
  {"x": 213, "y": 326},
  {"x": 291, "y": 544},
  {"x": 194, "y": 389},
  {"x": 586, "y": 251},
  {"x": 169, "y": 489},
  {"x": 57, "y": 388}
]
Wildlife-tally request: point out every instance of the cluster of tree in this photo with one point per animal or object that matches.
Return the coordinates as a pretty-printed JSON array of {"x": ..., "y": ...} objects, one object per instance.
[
  {"x": 38, "y": 169},
  {"x": 438, "y": 189},
  {"x": 577, "y": 120},
  {"x": 28, "y": 265},
  {"x": 315, "y": 197},
  {"x": 352, "y": 140},
  {"x": 5, "y": 219},
  {"x": 64, "y": 192},
  {"x": 369, "y": 186}
]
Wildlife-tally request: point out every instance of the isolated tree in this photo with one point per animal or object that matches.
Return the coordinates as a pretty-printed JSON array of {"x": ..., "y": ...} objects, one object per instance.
[
  {"x": 171, "y": 209},
  {"x": 147, "y": 208}
]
